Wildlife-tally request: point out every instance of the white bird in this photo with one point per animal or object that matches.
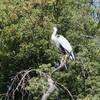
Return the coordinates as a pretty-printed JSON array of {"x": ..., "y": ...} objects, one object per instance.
[{"x": 63, "y": 44}]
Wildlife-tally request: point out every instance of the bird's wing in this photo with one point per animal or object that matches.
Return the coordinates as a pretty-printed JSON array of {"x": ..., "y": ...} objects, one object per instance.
[{"x": 66, "y": 45}]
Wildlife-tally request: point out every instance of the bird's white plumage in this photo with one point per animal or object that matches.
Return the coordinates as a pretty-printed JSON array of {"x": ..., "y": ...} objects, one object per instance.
[
  {"x": 62, "y": 42},
  {"x": 65, "y": 44}
]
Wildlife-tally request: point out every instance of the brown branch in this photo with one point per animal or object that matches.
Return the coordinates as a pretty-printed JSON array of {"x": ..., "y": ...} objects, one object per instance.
[
  {"x": 22, "y": 83},
  {"x": 66, "y": 90},
  {"x": 42, "y": 84},
  {"x": 51, "y": 82},
  {"x": 76, "y": 2},
  {"x": 52, "y": 88},
  {"x": 62, "y": 64},
  {"x": 53, "y": 85},
  {"x": 88, "y": 36}
]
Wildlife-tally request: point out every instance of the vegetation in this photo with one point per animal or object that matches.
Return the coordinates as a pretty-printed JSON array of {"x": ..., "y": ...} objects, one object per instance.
[{"x": 25, "y": 42}]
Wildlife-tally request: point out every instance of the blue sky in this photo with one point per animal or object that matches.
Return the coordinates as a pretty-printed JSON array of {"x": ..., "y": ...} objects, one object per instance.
[{"x": 96, "y": 4}]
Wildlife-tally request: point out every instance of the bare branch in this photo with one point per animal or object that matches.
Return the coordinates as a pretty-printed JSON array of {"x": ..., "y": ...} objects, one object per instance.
[
  {"x": 76, "y": 2},
  {"x": 88, "y": 36},
  {"x": 53, "y": 85},
  {"x": 42, "y": 84},
  {"x": 62, "y": 64},
  {"x": 52, "y": 88},
  {"x": 65, "y": 89}
]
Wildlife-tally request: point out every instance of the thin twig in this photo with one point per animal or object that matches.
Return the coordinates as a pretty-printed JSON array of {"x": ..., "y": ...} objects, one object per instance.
[
  {"x": 65, "y": 89},
  {"x": 42, "y": 83},
  {"x": 88, "y": 36}
]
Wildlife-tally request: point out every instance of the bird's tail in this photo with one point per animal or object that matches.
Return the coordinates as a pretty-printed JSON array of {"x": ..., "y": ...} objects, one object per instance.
[{"x": 72, "y": 57}]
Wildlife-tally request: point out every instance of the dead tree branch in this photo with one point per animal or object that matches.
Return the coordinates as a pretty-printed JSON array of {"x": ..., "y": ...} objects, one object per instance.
[
  {"x": 88, "y": 36},
  {"x": 25, "y": 77},
  {"x": 19, "y": 84},
  {"x": 62, "y": 64},
  {"x": 66, "y": 90},
  {"x": 52, "y": 88}
]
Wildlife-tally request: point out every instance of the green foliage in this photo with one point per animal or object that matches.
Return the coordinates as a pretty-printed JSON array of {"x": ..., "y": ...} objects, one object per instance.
[{"x": 25, "y": 41}]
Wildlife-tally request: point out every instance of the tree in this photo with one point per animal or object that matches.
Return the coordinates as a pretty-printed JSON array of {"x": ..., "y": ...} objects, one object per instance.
[{"x": 26, "y": 27}]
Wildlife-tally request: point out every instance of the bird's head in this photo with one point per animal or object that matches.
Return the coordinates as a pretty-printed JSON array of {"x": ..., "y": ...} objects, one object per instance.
[{"x": 55, "y": 28}]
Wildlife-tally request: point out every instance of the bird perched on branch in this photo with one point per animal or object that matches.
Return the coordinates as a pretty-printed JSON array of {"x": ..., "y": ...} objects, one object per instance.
[{"x": 63, "y": 44}]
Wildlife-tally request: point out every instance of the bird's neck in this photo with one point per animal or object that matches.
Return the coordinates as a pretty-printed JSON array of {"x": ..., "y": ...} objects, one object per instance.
[{"x": 54, "y": 34}]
